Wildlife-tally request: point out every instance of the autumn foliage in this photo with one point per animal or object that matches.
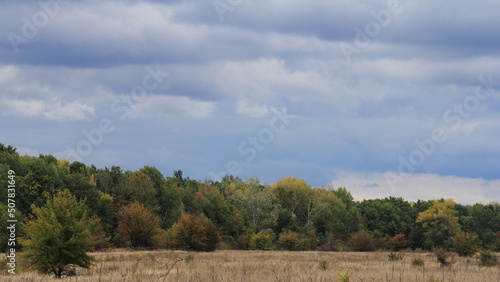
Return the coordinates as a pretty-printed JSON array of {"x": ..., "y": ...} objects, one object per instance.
[
  {"x": 195, "y": 233},
  {"x": 398, "y": 242},
  {"x": 137, "y": 226}
]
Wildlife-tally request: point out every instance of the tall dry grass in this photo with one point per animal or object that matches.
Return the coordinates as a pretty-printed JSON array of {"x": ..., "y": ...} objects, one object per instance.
[{"x": 122, "y": 265}]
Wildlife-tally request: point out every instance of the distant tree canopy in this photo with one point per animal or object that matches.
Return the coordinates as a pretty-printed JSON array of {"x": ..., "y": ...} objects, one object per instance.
[{"x": 146, "y": 209}]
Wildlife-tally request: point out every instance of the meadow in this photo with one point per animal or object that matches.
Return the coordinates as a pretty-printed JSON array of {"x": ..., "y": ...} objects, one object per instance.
[{"x": 167, "y": 265}]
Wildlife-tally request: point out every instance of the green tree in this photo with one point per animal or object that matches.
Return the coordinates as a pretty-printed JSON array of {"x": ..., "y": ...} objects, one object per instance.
[
  {"x": 140, "y": 188},
  {"x": 259, "y": 203},
  {"x": 296, "y": 196},
  {"x": 439, "y": 223},
  {"x": 261, "y": 241},
  {"x": 154, "y": 174},
  {"x": 464, "y": 244},
  {"x": 289, "y": 240},
  {"x": 59, "y": 235}
]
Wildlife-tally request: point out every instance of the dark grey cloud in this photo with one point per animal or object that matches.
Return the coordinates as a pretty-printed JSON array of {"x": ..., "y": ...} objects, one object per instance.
[{"x": 226, "y": 77}]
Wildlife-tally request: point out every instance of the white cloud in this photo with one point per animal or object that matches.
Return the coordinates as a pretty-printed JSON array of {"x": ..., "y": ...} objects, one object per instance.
[
  {"x": 421, "y": 186},
  {"x": 251, "y": 109},
  {"x": 54, "y": 110},
  {"x": 155, "y": 106}
]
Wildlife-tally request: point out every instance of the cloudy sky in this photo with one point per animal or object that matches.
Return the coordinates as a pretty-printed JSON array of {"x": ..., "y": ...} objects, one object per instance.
[{"x": 386, "y": 98}]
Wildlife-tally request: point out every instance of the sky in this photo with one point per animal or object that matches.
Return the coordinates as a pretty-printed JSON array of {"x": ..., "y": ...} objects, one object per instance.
[{"x": 385, "y": 98}]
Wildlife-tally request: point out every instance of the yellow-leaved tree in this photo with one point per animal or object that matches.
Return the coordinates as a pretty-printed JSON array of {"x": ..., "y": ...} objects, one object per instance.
[{"x": 440, "y": 223}]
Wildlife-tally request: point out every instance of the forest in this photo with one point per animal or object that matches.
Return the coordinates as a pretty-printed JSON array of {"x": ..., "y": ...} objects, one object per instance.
[{"x": 145, "y": 209}]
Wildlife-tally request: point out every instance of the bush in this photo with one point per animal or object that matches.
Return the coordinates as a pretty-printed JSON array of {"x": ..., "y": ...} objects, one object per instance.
[
  {"x": 361, "y": 241},
  {"x": 487, "y": 258},
  {"x": 398, "y": 242},
  {"x": 395, "y": 256},
  {"x": 442, "y": 257},
  {"x": 496, "y": 242},
  {"x": 464, "y": 244},
  {"x": 260, "y": 241},
  {"x": 288, "y": 240},
  {"x": 137, "y": 226},
  {"x": 331, "y": 244},
  {"x": 99, "y": 237},
  {"x": 323, "y": 264},
  {"x": 195, "y": 233},
  {"x": 417, "y": 262}
]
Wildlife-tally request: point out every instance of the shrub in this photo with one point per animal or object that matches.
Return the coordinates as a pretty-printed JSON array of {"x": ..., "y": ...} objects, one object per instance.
[
  {"x": 487, "y": 258},
  {"x": 496, "y": 242},
  {"x": 137, "y": 226},
  {"x": 331, "y": 244},
  {"x": 288, "y": 240},
  {"x": 442, "y": 257},
  {"x": 99, "y": 237},
  {"x": 361, "y": 241},
  {"x": 260, "y": 241},
  {"x": 417, "y": 262},
  {"x": 464, "y": 244},
  {"x": 346, "y": 276},
  {"x": 398, "y": 242},
  {"x": 323, "y": 264},
  {"x": 195, "y": 233},
  {"x": 395, "y": 256},
  {"x": 211, "y": 232}
]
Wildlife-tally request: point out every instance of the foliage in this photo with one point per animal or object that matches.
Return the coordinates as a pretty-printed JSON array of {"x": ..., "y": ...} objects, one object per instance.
[
  {"x": 464, "y": 244},
  {"x": 439, "y": 223},
  {"x": 395, "y": 256},
  {"x": 487, "y": 258},
  {"x": 59, "y": 235},
  {"x": 289, "y": 240},
  {"x": 361, "y": 241},
  {"x": 195, "y": 233},
  {"x": 140, "y": 188},
  {"x": 398, "y": 242},
  {"x": 98, "y": 236},
  {"x": 237, "y": 209},
  {"x": 346, "y": 276},
  {"x": 323, "y": 264},
  {"x": 330, "y": 244},
  {"x": 137, "y": 226},
  {"x": 442, "y": 257},
  {"x": 418, "y": 262},
  {"x": 260, "y": 241}
]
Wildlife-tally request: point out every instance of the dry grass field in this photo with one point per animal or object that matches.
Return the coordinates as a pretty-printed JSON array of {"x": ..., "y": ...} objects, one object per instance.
[{"x": 121, "y": 265}]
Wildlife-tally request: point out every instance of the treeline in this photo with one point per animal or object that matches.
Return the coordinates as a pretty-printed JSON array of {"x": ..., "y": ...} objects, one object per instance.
[{"x": 145, "y": 209}]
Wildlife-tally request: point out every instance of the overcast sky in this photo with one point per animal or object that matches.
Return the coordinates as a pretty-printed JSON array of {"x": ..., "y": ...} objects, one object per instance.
[{"x": 386, "y": 98}]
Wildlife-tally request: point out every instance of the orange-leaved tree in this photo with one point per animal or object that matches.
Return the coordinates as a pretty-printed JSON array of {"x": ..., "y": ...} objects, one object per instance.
[{"x": 137, "y": 226}]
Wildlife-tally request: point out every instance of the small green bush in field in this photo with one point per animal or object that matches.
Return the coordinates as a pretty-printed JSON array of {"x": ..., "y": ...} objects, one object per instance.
[
  {"x": 442, "y": 258},
  {"x": 323, "y": 264},
  {"x": 346, "y": 276},
  {"x": 487, "y": 258},
  {"x": 395, "y": 256},
  {"x": 417, "y": 262}
]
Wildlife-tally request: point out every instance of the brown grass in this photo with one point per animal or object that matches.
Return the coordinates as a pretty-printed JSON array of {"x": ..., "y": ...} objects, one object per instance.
[{"x": 122, "y": 265}]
